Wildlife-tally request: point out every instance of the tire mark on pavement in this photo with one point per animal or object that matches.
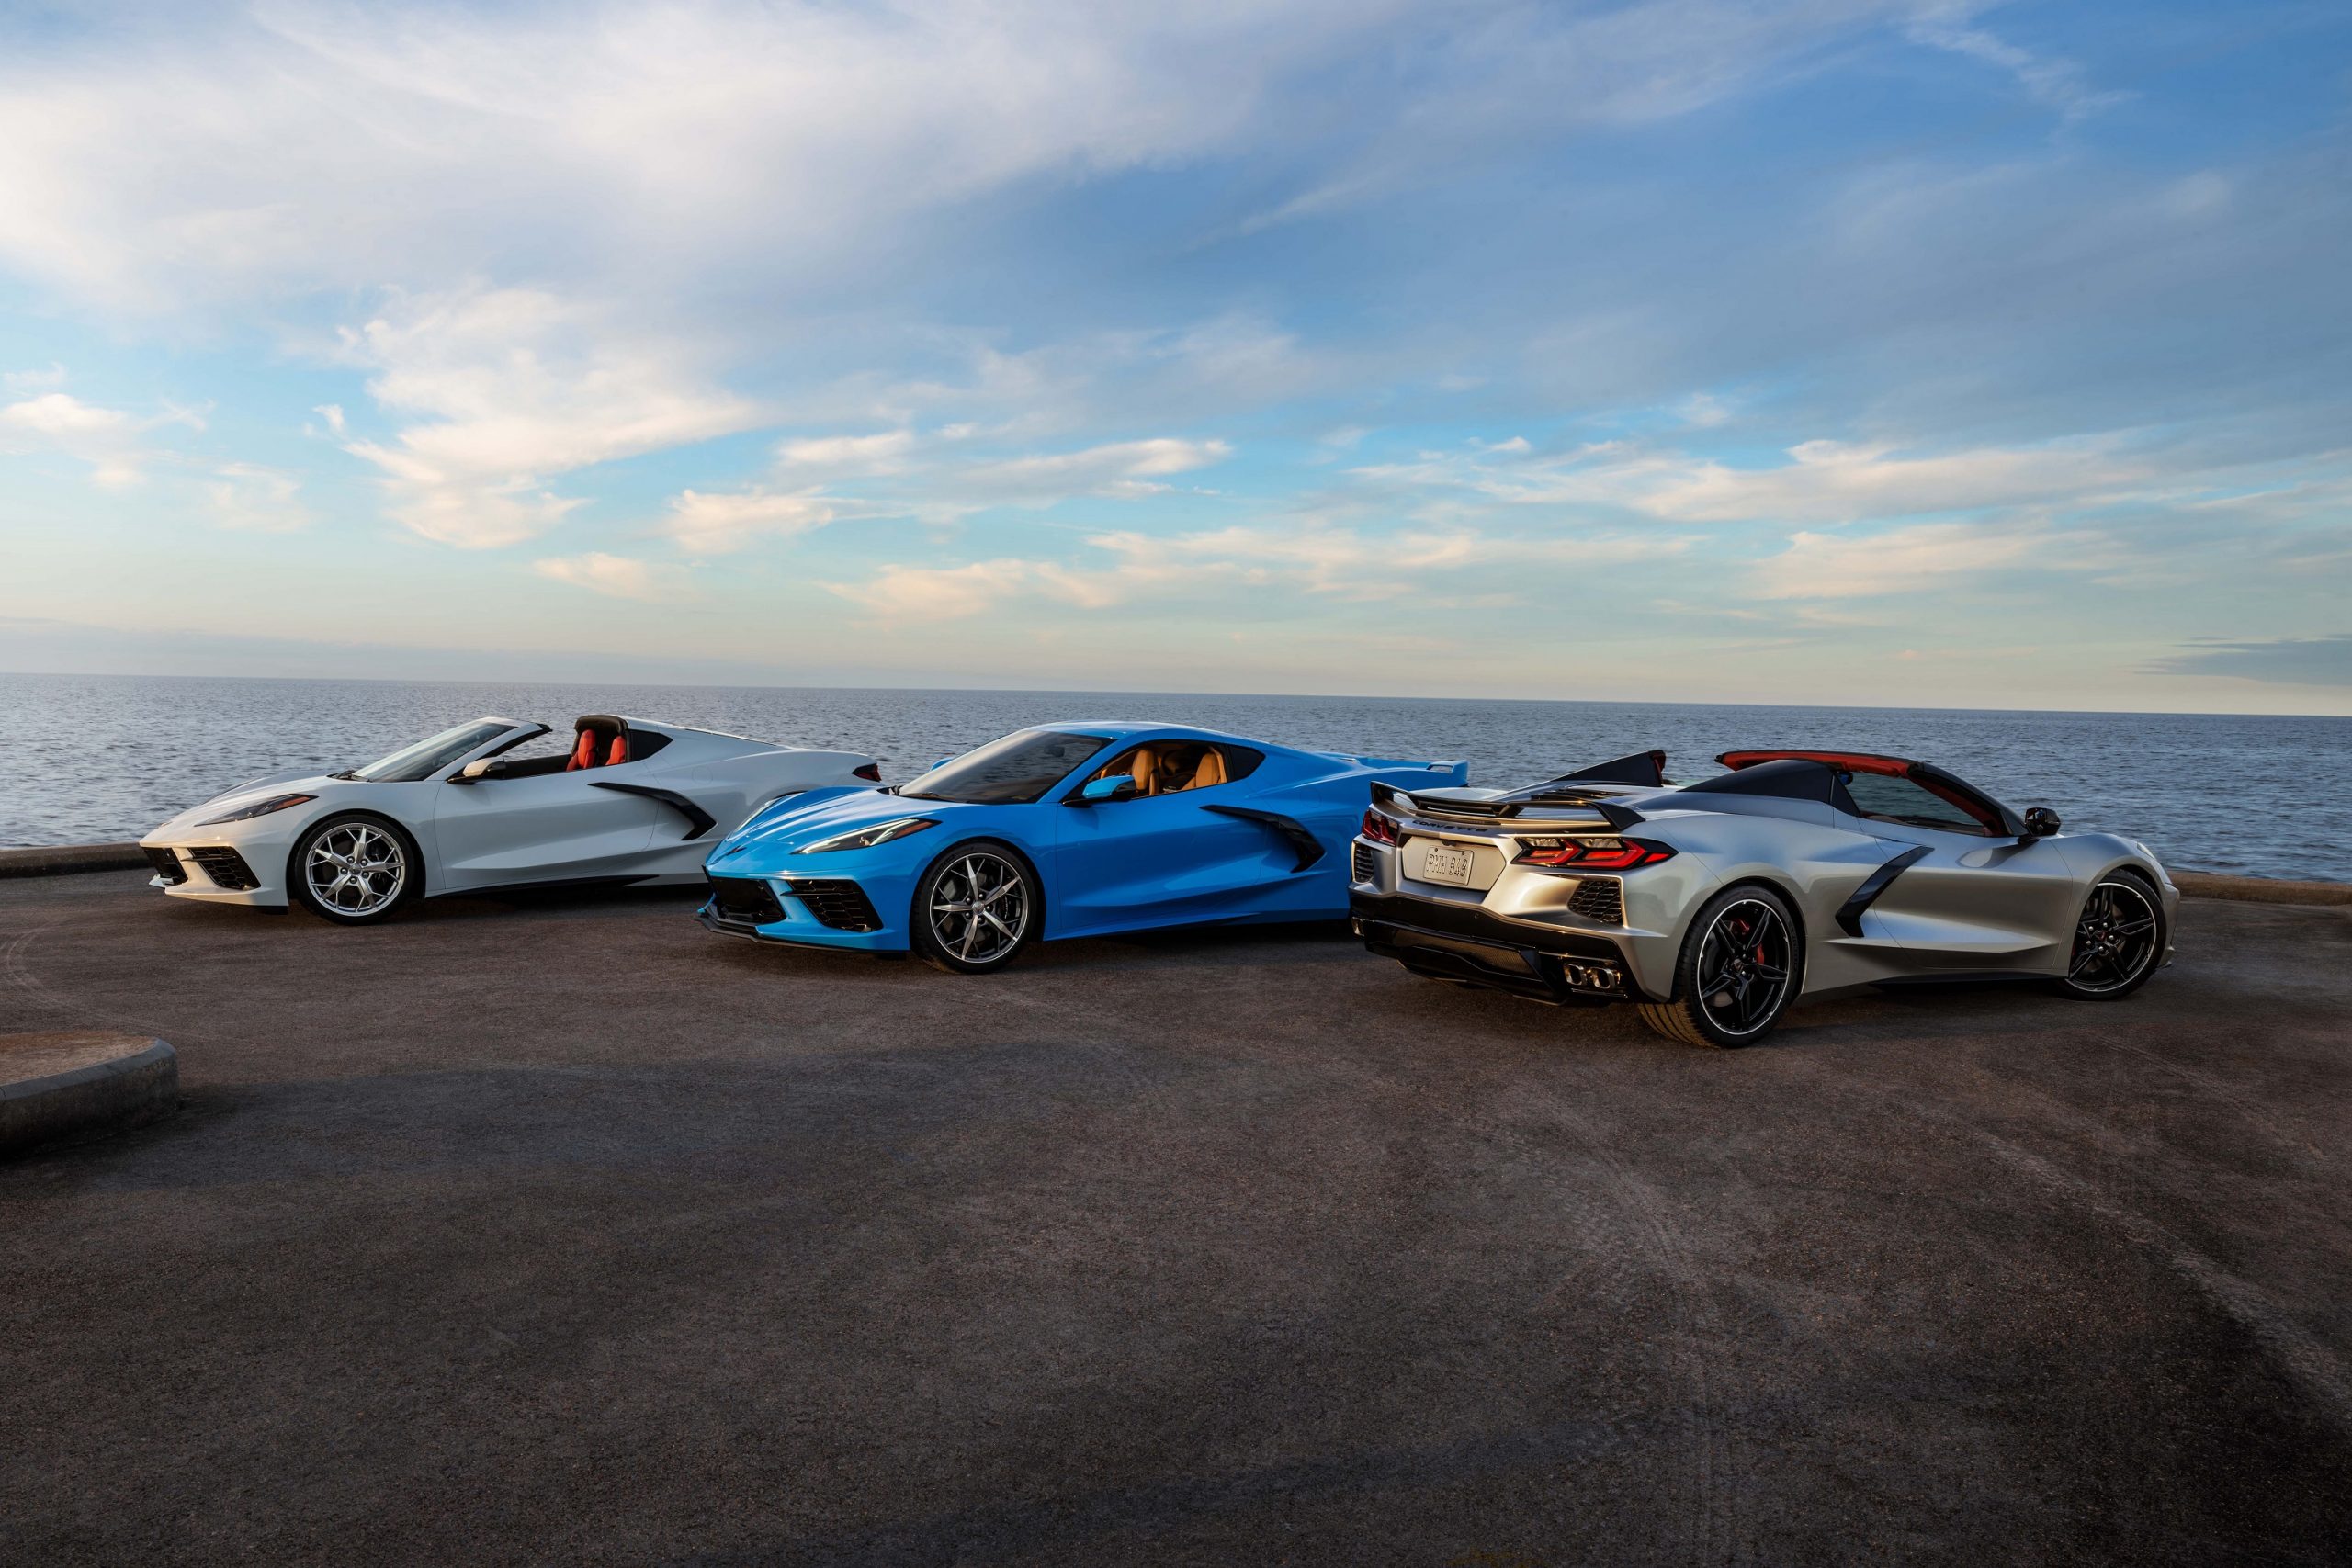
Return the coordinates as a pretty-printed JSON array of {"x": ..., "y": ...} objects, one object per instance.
[
  {"x": 2313, "y": 1366},
  {"x": 1717, "y": 1526}
]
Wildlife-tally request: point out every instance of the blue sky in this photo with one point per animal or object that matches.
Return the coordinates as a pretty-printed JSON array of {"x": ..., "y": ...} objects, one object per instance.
[{"x": 1834, "y": 352}]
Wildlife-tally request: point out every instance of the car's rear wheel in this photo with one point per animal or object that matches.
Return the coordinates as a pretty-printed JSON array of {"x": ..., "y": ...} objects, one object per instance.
[
  {"x": 976, "y": 908},
  {"x": 1738, "y": 971},
  {"x": 2119, "y": 940},
  {"x": 353, "y": 870}
]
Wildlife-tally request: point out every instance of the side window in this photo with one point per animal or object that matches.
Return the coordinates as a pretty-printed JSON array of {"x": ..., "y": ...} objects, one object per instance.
[
  {"x": 1900, "y": 800},
  {"x": 1240, "y": 762},
  {"x": 1172, "y": 767}
]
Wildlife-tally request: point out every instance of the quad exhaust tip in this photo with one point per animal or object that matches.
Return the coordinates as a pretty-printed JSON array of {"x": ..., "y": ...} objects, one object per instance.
[{"x": 1591, "y": 976}]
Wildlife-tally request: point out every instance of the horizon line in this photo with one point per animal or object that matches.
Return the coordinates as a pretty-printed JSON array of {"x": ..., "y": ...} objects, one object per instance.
[{"x": 1137, "y": 691}]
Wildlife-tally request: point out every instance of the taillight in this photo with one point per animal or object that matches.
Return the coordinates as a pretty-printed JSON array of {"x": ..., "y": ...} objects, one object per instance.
[
  {"x": 870, "y": 771},
  {"x": 1378, "y": 829},
  {"x": 1592, "y": 855}
]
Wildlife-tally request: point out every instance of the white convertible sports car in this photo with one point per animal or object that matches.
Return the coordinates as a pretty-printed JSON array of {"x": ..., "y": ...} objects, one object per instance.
[{"x": 478, "y": 807}]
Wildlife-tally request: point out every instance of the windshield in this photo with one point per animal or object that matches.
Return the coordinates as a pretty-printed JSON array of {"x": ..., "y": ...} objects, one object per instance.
[
  {"x": 1014, "y": 770},
  {"x": 426, "y": 758}
]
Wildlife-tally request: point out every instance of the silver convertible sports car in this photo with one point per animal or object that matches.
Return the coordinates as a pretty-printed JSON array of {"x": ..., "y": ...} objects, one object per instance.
[
  {"x": 478, "y": 807},
  {"x": 1713, "y": 905}
]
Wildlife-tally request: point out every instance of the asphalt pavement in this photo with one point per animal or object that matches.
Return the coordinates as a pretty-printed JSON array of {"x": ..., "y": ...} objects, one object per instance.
[{"x": 556, "y": 1229}]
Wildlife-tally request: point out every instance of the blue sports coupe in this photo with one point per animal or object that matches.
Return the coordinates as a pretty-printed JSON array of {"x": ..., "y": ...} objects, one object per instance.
[{"x": 1063, "y": 831}]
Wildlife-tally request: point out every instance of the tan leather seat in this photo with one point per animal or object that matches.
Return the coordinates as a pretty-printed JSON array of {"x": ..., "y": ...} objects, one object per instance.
[
  {"x": 1211, "y": 771},
  {"x": 1146, "y": 769}
]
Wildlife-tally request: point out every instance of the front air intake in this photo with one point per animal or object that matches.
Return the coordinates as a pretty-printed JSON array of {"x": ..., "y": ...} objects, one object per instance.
[
  {"x": 743, "y": 902},
  {"x": 226, "y": 867},
  {"x": 167, "y": 866},
  {"x": 840, "y": 904}
]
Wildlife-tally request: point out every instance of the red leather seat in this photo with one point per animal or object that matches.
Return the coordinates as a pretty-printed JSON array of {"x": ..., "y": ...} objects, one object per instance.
[
  {"x": 584, "y": 752},
  {"x": 619, "y": 754}
]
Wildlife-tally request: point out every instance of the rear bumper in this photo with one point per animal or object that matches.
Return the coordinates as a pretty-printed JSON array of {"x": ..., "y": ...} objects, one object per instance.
[{"x": 1455, "y": 941}]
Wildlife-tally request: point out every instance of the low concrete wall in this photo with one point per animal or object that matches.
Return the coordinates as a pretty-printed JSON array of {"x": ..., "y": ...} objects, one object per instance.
[
  {"x": 73, "y": 1085},
  {"x": 67, "y": 858},
  {"x": 61, "y": 859},
  {"x": 2261, "y": 889}
]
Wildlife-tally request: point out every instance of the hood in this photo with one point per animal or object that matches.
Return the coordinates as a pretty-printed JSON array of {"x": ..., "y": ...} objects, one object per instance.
[
  {"x": 783, "y": 827},
  {"x": 293, "y": 781}
]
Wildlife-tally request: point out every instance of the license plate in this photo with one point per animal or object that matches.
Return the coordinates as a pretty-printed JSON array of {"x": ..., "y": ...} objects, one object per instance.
[{"x": 1448, "y": 863}]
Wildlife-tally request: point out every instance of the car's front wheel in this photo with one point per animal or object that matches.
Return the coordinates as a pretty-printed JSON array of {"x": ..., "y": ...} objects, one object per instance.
[
  {"x": 976, "y": 908},
  {"x": 1739, "y": 969},
  {"x": 353, "y": 870},
  {"x": 2119, "y": 940}
]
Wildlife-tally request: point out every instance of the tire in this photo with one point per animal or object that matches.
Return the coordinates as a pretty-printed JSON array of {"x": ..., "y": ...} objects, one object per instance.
[
  {"x": 950, "y": 929},
  {"x": 2120, "y": 940},
  {"x": 320, "y": 872},
  {"x": 1753, "y": 967}
]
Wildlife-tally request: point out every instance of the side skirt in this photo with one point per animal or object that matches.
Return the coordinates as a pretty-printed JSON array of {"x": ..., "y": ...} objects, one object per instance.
[{"x": 1959, "y": 978}]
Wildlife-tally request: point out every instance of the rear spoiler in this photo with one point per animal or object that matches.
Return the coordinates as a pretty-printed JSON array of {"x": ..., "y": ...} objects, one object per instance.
[
  {"x": 1607, "y": 816},
  {"x": 1644, "y": 769},
  {"x": 1455, "y": 766}
]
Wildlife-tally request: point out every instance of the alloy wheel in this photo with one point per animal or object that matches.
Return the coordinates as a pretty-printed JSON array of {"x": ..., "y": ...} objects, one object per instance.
[
  {"x": 2115, "y": 940},
  {"x": 355, "y": 868},
  {"x": 1744, "y": 968},
  {"x": 980, "y": 907}
]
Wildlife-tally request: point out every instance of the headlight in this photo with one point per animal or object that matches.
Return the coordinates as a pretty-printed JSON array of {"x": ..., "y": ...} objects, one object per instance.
[
  {"x": 866, "y": 838},
  {"x": 259, "y": 809}
]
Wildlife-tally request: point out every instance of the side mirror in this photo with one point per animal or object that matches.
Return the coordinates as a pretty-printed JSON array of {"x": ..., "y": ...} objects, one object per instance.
[
  {"x": 2041, "y": 822},
  {"x": 1101, "y": 792},
  {"x": 474, "y": 772}
]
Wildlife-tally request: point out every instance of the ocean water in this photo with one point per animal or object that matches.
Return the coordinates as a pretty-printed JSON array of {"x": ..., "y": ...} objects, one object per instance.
[{"x": 100, "y": 757}]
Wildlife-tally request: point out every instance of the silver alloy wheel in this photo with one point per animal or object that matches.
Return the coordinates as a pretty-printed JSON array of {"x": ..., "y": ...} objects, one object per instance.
[
  {"x": 356, "y": 869},
  {"x": 980, "y": 907},
  {"x": 2115, "y": 939},
  {"x": 1743, "y": 970}
]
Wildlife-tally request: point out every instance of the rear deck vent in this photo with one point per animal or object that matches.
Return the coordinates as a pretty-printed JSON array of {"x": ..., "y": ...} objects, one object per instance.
[{"x": 1600, "y": 898}]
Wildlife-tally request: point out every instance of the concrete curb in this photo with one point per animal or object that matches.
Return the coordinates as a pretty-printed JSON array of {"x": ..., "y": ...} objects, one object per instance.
[
  {"x": 2260, "y": 889},
  {"x": 127, "y": 1090},
  {"x": 62, "y": 860}
]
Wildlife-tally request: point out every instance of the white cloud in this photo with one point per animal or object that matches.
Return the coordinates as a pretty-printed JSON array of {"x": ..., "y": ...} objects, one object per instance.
[
  {"x": 837, "y": 456},
  {"x": 1141, "y": 567},
  {"x": 716, "y": 523},
  {"x": 905, "y": 594},
  {"x": 1117, "y": 469},
  {"x": 1923, "y": 556},
  {"x": 248, "y": 497},
  {"x": 618, "y": 577},
  {"x": 333, "y": 414},
  {"x": 1832, "y": 482},
  {"x": 1823, "y": 481},
  {"x": 2057, "y": 84},
  {"x": 107, "y": 439},
  {"x": 34, "y": 380},
  {"x": 1703, "y": 410},
  {"x": 307, "y": 143},
  {"x": 511, "y": 388}
]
